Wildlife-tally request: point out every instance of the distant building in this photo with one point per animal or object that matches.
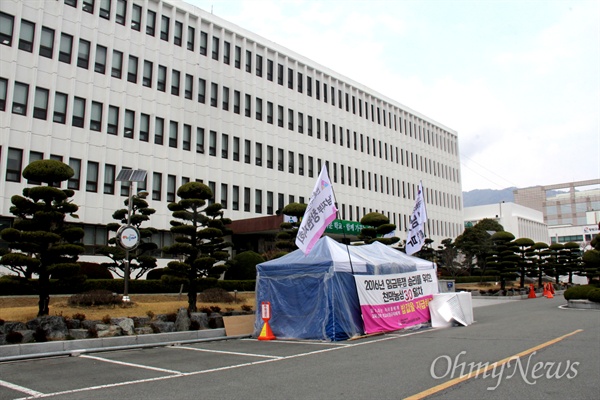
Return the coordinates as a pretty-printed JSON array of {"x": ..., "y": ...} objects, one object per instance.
[
  {"x": 572, "y": 215},
  {"x": 523, "y": 222}
]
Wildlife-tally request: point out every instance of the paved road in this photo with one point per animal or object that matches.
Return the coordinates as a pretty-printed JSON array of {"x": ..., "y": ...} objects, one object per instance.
[{"x": 559, "y": 353}]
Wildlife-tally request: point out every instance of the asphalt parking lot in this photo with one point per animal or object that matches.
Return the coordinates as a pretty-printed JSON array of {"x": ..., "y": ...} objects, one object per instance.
[{"x": 394, "y": 365}]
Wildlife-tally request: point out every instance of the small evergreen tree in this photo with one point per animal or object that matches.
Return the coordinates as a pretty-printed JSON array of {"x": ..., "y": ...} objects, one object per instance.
[
  {"x": 140, "y": 259},
  {"x": 524, "y": 250},
  {"x": 377, "y": 226},
  {"x": 198, "y": 233},
  {"x": 41, "y": 242},
  {"x": 285, "y": 240}
]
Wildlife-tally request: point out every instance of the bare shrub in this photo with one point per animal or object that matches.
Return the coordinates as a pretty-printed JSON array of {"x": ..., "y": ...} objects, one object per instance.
[
  {"x": 95, "y": 298},
  {"x": 216, "y": 295}
]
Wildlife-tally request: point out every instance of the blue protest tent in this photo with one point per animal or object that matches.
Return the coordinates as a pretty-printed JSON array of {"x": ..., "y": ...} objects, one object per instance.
[{"x": 314, "y": 296}]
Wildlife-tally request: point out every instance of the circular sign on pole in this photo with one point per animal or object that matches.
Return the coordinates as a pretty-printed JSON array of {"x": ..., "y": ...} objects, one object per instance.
[{"x": 128, "y": 237}]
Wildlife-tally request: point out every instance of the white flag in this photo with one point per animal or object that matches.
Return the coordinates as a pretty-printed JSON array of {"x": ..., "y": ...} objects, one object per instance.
[
  {"x": 319, "y": 213},
  {"x": 416, "y": 233}
]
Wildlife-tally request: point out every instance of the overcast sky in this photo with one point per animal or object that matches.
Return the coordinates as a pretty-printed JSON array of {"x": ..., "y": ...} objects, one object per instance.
[{"x": 518, "y": 80}]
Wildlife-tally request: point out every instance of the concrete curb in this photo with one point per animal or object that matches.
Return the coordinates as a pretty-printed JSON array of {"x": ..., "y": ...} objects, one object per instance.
[
  {"x": 584, "y": 304},
  {"x": 16, "y": 352}
]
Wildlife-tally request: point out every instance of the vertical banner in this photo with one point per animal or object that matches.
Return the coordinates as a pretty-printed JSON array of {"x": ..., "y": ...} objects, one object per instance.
[
  {"x": 395, "y": 301},
  {"x": 416, "y": 234},
  {"x": 320, "y": 212}
]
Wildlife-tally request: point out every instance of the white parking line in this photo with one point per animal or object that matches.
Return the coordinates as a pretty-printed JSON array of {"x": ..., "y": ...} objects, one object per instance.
[
  {"x": 12, "y": 386},
  {"x": 169, "y": 371},
  {"x": 235, "y": 353}
]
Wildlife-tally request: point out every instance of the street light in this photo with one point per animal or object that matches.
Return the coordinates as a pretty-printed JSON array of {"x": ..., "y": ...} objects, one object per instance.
[{"x": 128, "y": 236}]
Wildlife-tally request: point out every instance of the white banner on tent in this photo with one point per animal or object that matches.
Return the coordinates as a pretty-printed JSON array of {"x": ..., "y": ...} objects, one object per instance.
[{"x": 395, "y": 301}]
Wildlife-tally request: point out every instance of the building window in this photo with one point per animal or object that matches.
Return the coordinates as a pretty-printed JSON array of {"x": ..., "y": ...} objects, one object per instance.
[
  {"x": 105, "y": 9},
  {"x": 236, "y": 148},
  {"x": 290, "y": 78},
  {"x": 259, "y": 109},
  {"x": 224, "y": 146},
  {"x": 26, "y": 36},
  {"x": 225, "y": 98},
  {"x": 201, "y": 90},
  {"x": 269, "y": 112},
  {"x": 136, "y": 17},
  {"x": 3, "y": 92},
  {"x": 40, "y": 103},
  {"x": 215, "y": 48},
  {"x": 91, "y": 183},
  {"x": 144, "y": 127},
  {"x": 175, "y": 76},
  {"x": 20, "y": 98},
  {"x": 66, "y": 48},
  {"x": 73, "y": 182},
  {"x": 150, "y": 22},
  {"x": 117, "y": 64},
  {"x": 212, "y": 143},
  {"x": 270, "y": 203},
  {"x": 96, "y": 117},
  {"x": 300, "y": 82},
  {"x": 236, "y": 101},
  {"x": 301, "y": 164},
  {"x": 280, "y": 74},
  {"x": 291, "y": 167},
  {"x": 238, "y": 57},
  {"x": 109, "y": 179},
  {"x": 280, "y": 159},
  {"x": 247, "y": 149},
  {"x": 159, "y": 130},
  {"x": 161, "y": 81},
  {"x": 258, "y": 201},
  {"x": 187, "y": 137},
  {"x": 224, "y": 195},
  {"x": 203, "y": 42},
  {"x": 258, "y": 154},
  {"x": 259, "y": 65},
  {"x": 226, "y": 52},
  {"x": 173, "y": 134},
  {"x": 60, "y": 108},
  {"x": 100, "y": 65},
  {"x": 248, "y": 105},
  {"x": 199, "y": 140},
  {"x": 247, "y": 199},
  {"x": 235, "y": 197},
  {"x": 171, "y": 188},
  {"x": 164, "y": 28},
  {"x": 129, "y": 125},
  {"x": 310, "y": 166},
  {"x": 47, "y": 42},
  {"x": 191, "y": 38},
  {"x": 156, "y": 186},
  {"x": 290, "y": 119},
  {"x": 280, "y": 116},
  {"x": 147, "y": 74},
  {"x": 7, "y": 23},
  {"x": 214, "y": 94},
  {"x": 83, "y": 55},
  {"x": 132, "y": 69},
  {"x": 270, "y": 70},
  {"x": 88, "y": 6},
  {"x": 189, "y": 86},
  {"x": 270, "y": 157},
  {"x": 300, "y": 122},
  {"x": 248, "y": 61},
  {"x": 121, "y": 14},
  {"x": 113, "y": 120},
  {"x": 14, "y": 163}
]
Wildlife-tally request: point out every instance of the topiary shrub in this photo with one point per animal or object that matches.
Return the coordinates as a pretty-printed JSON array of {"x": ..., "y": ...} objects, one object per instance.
[
  {"x": 216, "y": 295},
  {"x": 594, "y": 295},
  {"x": 95, "y": 298},
  {"x": 156, "y": 273},
  {"x": 578, "y": 292},
  {"x": 94, "y": 271}
]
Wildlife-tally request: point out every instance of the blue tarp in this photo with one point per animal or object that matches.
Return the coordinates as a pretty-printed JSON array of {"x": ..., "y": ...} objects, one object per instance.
[{"x": 314, "y": 296}]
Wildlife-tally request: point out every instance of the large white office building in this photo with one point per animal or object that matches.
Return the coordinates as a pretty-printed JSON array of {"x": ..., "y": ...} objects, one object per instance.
[{"x": 168, "y": 88}]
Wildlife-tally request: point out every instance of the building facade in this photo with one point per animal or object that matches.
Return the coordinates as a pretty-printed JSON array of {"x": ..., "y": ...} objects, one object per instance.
[
  {"x": 523, "y": 222},
  {"x": 173, "y": 90}
]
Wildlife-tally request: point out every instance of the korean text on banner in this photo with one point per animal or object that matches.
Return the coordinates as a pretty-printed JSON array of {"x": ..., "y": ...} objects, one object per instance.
[
  {"x": 416, "y": 234},
  {"x": 319, "y": 213},
  {"x": 395, "y": 301}
]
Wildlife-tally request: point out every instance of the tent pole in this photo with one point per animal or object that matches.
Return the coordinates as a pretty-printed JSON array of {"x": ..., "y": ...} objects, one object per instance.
[{"x": 345, "y": 240}]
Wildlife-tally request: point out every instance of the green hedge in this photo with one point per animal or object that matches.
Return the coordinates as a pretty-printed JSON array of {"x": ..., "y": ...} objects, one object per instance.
[
  {"x": 579, "y": 292},
  {"x": 594, "y": 295},
  {"x": 471, "y": 279},
  {"x": 17, "y": 287}
]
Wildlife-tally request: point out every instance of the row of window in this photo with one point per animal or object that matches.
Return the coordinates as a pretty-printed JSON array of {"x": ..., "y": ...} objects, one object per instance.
[
  {"x": 83, "y": 61},
  {"x": 107, "y": 185},
  {"x": 147, "y": 124}
]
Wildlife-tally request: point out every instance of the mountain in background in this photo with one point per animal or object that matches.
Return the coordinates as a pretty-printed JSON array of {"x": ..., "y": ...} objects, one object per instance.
[{"x": 481, "y": 197}]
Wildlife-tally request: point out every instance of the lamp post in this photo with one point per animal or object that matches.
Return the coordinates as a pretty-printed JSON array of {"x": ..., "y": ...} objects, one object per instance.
[{"x": 128, "y": 236}]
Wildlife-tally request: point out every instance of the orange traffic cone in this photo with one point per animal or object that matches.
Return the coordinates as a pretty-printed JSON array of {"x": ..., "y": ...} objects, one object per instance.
[
  {"x": 545, "y": 294},
  {"x": 266, "y": 333},
  {"x": 551, "y": 287},
  {"x": 549, "y": 293},
  {"x": 532, "y": 294}
]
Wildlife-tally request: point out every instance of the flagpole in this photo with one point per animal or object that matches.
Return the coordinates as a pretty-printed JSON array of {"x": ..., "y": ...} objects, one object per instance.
[{"x": 343, "y": 231}]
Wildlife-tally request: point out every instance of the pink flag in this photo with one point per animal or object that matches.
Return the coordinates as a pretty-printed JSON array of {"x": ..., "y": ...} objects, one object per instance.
[{"x": 319, "y": 213}]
